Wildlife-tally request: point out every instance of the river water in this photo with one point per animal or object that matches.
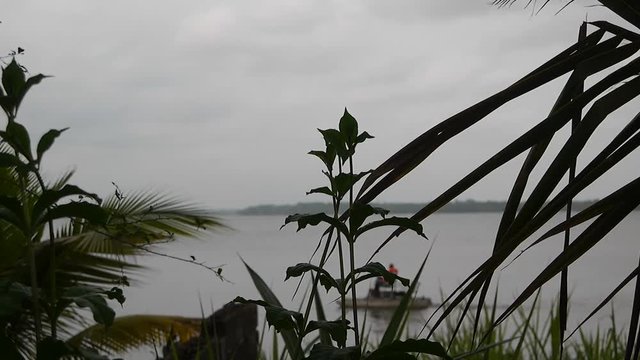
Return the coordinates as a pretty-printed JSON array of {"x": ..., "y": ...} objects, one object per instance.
[{"x": 460, "y": 243}]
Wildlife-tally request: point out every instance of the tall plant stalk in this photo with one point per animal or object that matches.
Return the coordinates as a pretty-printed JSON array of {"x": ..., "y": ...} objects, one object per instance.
[
  {"x": 36, "y": 291},
  {"x": 336, "y": 215},
  {"x": 352, "y": 224},
  {"x": 563, "y": 303},
  {"x": 53, "y": 316},
  {"x": 352, "y": 261},
  {"x": 33, "y": 269}
]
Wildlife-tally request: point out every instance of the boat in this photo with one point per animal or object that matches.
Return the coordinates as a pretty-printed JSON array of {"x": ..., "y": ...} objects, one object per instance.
[
  {"x": 387, "y": 299},
  {"x": 389, "y": 303}
]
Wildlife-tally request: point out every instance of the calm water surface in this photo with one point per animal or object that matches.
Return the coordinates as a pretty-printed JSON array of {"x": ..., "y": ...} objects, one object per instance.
[{"x": 460, "y": 243}]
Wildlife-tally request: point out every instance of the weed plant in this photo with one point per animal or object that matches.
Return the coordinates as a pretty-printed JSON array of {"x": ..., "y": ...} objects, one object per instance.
[
  {"x": 530, "y": 334},
  {"x": 524, "y": 335},
  {"x": 349, "y": 221}
]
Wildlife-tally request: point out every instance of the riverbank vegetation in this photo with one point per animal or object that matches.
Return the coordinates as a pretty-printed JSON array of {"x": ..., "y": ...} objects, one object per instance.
[
  {"x": 63, "y": 248},
  {"x": 600, "y": 74},
  {"x": 454, "y": 207},
  {"x": 65, "y": 251},
  {"x": 529, "y": 334},
  {"x": 601, "y": 71}
]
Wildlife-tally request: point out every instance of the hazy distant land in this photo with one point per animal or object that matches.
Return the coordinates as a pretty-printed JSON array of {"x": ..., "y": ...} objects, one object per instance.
[{"x": 466, "y": 206}]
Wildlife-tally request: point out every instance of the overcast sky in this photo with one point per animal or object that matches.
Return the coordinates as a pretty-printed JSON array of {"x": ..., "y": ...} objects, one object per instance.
[{"x": 219, "y": 101}]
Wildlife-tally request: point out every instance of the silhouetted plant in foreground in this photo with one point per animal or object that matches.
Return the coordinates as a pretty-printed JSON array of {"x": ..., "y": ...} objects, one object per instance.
[
  {"x": 603, "y": 68},
  {"x": 63, "y": 249},
  {"x": 345, "y": 227}
]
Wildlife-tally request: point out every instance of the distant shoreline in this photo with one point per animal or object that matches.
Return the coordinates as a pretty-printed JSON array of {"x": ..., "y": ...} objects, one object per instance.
[{"x": 466, "y": 206}]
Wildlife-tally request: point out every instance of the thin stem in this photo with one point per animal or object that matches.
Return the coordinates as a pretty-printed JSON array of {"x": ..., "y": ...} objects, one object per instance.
[
  {"x": 316, "y": 279},
  {"x": 33, "y": 269},
  {"x": 563, "y": 304},
  {"x": 216, "y": 269},
  {"x": 34, "y": 289},
  {"x": 53, "y": 317},
  {"x": 336, "y": 214},
  {"x": 352, "y": 261}
]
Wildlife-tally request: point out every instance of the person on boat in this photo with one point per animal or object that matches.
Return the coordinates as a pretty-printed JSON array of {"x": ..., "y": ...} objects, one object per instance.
[
  {"x": 380, "y": 281},
  {"x": 392, "y": 269},
  {"x": 376, "y": 289}
]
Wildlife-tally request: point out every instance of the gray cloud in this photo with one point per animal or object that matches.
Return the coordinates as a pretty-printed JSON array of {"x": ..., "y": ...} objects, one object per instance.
[{"x": 220, "y": 100}]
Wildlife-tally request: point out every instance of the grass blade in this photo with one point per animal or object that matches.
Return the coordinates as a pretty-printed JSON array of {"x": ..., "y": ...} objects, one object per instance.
[
  {"x": 525, "y": 326},
  {"x": 325, "y": 337},
  {"x": 289, "y": 336}
]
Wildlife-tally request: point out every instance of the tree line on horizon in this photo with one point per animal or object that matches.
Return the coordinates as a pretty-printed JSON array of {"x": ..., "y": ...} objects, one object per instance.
[{"x": 461, "y": 206}]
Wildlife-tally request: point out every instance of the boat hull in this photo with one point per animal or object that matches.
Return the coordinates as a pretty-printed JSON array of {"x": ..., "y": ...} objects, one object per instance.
[{"x": 388, "y": 303}]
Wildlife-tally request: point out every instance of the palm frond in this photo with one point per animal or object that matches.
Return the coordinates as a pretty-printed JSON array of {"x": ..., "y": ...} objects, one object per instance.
[
  {"x": 101, "y": 255},
  {"x": 611, "y": 53},
  {"x": 62, "y": 180},
  {"x": 140, "y": 219},
  {"x": 626, "y": 9},
  {"x": 134, "y": 331}
]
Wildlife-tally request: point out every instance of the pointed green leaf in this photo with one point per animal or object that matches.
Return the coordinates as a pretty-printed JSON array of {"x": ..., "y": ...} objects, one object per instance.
[
  {"x": 241, "y": 300},
  {"x": 328, "y": 282},
  {"x": 328, "y": 157},
  {"x": 325, "y": 278},
  {"x": 360, "y": 212},
  {"x": 319, "y": 154},
  {"x": 321, "y": 190},
  {"x": 16, "y": 86},
  {"x": 401, "y": 222},
  {"x": 348, "y": 128},
  {"x": 304, "y": 220},
  {"x": 335, "y": 142},
  {"x": 30, "y": 82},
  {"x": 281, "y": 319},
  {"x": 46, "y": 141},
  {"x": 18, "y": 137},
  {"x": 363, "y": 137},
  {"x": 13, "y": 79},
  {"x": 345, "y": 181},
  {"x": 337, "y": 329}
]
